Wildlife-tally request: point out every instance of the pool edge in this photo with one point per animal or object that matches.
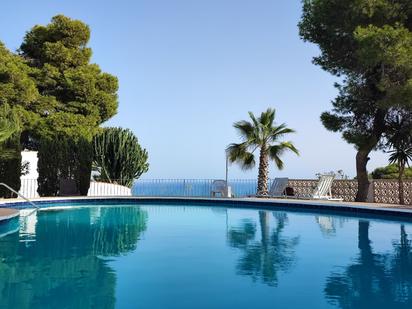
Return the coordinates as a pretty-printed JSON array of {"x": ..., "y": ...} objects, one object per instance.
[{"x": 353, "y": 208}]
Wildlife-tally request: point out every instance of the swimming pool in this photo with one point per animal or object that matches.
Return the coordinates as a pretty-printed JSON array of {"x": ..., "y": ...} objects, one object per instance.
[{"x": 175, "y": 255}]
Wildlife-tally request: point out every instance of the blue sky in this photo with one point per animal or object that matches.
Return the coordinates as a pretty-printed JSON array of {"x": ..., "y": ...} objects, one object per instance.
[{"x": 188, "y": 69}]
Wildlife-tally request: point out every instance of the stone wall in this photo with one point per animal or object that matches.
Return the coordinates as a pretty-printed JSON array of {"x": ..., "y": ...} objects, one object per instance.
[{"x": 381, "y": 191}]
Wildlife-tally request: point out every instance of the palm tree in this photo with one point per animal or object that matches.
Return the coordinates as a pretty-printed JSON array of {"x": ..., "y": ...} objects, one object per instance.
[
  {"x": 261, "y": 134},
  {"x": 263, "y": 259},
  {"x": 401, "y": 154}
]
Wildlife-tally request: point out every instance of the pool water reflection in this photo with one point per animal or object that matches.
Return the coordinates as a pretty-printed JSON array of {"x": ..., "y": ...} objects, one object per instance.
[{"x": 204, "y": 257}]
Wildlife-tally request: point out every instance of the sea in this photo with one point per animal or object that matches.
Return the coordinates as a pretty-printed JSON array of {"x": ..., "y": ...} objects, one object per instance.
[{"x": 190, "y": 187}]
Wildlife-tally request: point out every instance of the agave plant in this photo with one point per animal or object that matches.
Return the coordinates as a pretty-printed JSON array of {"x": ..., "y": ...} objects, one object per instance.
[
  {"x": 261, "y": 134},
  {"x": 118, "y": 157}
]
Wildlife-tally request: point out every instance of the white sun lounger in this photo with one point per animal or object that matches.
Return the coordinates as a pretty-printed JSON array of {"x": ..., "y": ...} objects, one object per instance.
[
  {"x": 278, "y": 187},
  {"x": 323, "y": 190}
]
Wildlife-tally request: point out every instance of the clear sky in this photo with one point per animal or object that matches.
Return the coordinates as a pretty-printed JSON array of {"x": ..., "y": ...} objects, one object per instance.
[{"x": 188, "y": 69}]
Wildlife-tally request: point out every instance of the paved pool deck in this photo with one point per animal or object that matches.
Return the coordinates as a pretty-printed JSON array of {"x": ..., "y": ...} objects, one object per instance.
[
  {"x": 354, "y": 208},
  {"x": 8, "y": 213}
]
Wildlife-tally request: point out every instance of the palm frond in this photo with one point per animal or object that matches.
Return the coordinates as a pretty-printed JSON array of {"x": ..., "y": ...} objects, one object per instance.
[
  {"x": 248, "y": 162},
  {"x": 279, "y": 131},
  {"x": 267, "y": 117},
  {"x": 238, "y": 153},
  {"x": 245, "y": 129},
  {"x": 254, "y": 120},
  {"x": 401, "y": 154},
  {"x": 276, "y": 151}
]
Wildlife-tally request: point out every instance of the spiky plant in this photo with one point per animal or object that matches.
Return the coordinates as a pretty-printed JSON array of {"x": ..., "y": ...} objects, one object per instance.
[
  {"x": 262, "y": 134},
  {"x": 118, "y": 157},
  {"x": 400, "y": 142}
]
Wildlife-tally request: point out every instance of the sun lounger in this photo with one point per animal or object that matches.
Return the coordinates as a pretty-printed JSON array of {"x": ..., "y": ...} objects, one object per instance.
[
  {"x": 323, "y": 190},
  {"x": 278, "y": 187}
]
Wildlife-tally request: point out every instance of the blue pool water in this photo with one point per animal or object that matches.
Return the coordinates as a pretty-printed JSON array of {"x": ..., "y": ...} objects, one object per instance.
[{"x": 159, "y": 256}]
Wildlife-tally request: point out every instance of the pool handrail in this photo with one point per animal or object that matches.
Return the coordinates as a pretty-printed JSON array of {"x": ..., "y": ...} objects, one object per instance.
[{"x": 20, "y": 195}]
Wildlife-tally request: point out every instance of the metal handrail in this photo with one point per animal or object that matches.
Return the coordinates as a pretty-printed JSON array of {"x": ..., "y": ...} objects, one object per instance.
[{"x": 22, "y": 196}]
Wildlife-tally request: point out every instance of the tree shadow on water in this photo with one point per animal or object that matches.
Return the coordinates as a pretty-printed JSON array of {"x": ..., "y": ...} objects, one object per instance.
[
  {"x": 68, "y": 264},
  {"x": 374, "y": 280},
  {"x": 262, "y": 259}
]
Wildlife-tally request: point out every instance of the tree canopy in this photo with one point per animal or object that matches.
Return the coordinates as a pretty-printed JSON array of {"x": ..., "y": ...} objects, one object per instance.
[
  {"x": 368, "y": 43},
  {"x": 54, "y": 91},
  {"x": 76, "y": 96},
  {"x": 18, "y": 91},
  {"x": 390, "y": 171}
]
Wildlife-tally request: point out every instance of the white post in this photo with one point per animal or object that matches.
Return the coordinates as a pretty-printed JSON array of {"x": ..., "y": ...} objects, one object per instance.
[{"x": 227, "y": 168}]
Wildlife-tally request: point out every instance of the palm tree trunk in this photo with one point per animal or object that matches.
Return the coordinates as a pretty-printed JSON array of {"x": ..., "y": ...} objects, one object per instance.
[
  {"x": 400, "y": 184},
  {"x": 264, "y": 227},
  {"x": 262, "y": 189}
]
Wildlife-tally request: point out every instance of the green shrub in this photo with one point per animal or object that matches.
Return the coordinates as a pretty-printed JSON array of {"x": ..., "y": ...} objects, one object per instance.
[
  {"x": 64, "y": 158},
  {"x": 83, "y": 157},
  {"x": 390, "y": 172},
  {"x": 10, "y": 166}
]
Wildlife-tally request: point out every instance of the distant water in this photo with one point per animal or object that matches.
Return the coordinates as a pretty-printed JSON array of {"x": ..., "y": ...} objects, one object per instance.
[{"x": 199, "y": 188}]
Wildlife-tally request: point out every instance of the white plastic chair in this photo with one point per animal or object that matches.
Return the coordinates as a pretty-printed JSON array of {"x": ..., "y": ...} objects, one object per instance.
[{"x": 220, "y": 187}]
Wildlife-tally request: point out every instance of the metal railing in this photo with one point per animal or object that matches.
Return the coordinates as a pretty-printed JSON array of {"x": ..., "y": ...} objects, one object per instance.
[
  {"x": 155, "y": 187},
  {"x": 22, "y": 196},
  {"x": 190, "y": 187}
]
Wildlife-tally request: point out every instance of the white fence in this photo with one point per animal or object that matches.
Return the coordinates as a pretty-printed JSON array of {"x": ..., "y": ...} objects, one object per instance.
[{"x": 29, "y": 189}]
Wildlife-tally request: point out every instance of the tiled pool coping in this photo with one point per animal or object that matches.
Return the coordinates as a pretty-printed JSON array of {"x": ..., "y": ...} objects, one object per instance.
[{"x": 344, "y": 208}]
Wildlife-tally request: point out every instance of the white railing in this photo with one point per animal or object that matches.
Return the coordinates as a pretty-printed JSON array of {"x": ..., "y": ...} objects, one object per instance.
[{"x": 154, "y": 187}]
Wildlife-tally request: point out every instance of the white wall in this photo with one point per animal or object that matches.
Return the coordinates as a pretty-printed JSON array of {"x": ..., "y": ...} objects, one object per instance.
[{"x": 29, "y": 182}]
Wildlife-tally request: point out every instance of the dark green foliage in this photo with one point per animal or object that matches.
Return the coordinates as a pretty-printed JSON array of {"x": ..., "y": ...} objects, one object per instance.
[
  {"x": 76, "y": 95},
  {"x": 16, "y": 86},
  {"x": 9, "y": 128},
  {"x": 83, "y": 157},
  {"x": 9, "y": 122},
  {"x": 118, "y": 157},
  {"x": 10, "y": 156},
  {"x": 48, "y": 166},
  {"x": 10, "y": 166},
  {"x": 369, "y": 43},
  {"x": 64, "y": 159},
  {"x": 55, "y": 91},
  {"x": 390, "y": 172},
  {"x": 17, "y": 91}
]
